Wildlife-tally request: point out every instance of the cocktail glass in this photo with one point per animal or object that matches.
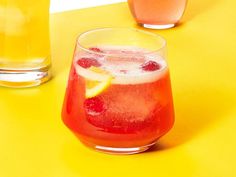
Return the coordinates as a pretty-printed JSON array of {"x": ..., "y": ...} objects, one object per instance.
[{"x": 118, "y": 98}]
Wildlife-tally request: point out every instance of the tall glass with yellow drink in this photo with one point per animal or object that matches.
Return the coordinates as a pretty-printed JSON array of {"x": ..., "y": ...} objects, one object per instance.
[{"x": 24, "y": 43}]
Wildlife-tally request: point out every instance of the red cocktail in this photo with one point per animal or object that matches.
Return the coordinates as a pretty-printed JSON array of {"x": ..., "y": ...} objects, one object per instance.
[{"x": 118, "y": 98}]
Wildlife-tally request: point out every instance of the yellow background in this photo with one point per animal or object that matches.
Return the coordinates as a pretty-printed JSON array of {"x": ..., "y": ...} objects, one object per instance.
[{"x": 202, "y": 59}]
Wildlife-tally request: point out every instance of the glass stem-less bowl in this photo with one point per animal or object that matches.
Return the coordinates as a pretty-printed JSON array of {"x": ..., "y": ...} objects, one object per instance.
[{"x": 119, "y": 98}]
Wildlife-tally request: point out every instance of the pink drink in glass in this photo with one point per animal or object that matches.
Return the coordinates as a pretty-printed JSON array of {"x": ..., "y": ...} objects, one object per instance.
[
  {"x": 157, "y": 14},
  {"x": 132, "y": 112}
]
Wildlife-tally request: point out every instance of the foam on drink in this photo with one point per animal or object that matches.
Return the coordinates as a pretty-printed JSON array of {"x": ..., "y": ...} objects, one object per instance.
[{"x": 124, "y": 63}]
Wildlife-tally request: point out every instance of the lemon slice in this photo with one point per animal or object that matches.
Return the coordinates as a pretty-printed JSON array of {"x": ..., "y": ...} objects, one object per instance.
[{"x": 93, "y": 87}]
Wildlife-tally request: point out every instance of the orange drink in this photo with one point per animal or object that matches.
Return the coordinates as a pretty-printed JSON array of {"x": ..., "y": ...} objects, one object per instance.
[{"x": 24, "y": 42}]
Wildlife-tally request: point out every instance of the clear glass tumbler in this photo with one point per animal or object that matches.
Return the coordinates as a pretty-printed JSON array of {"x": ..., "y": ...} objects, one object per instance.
[
  {"x": 119, "y": 98},
  {"x": 157, "y": 14},
  {"x": 24, "y": 43}
]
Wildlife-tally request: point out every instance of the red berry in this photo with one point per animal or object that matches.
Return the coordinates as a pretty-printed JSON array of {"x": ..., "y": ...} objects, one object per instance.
[
  {"x": 151, "y": 66},
  {"x": 95, "y": 49},
  {"x": 88, "y": 62},
  {"x": 94, "y": 106},
  {"x": 123, "y": 71}
]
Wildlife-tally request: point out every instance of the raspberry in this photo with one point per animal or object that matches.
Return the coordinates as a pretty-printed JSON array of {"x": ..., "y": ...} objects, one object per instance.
[
  {"x": 95, "y": 49},
  {"x": 123, "y": 71},
  {"x": 88, "y": 62},
  {"x": 151, "y": 66},
  {"x": 94, "y": 106}
]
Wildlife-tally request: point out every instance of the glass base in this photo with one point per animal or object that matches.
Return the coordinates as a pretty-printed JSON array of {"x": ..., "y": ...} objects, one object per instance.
[
  {"x": 24, "y": 78},
  {"x": 113, "y": 150},
  {"x": 157, "y": 26}
]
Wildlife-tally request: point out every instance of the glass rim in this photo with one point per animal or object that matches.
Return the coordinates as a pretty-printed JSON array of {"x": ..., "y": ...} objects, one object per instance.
[{"x": 163, "y": 41}]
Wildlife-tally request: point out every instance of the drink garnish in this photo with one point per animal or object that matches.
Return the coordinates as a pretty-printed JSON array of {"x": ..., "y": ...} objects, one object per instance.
[
  {"x": 95, "y": 49},
  {"x": 88, "y": 62},
  {"x": 94, "y": 106},
  {"x": 93, "y": 87},
  {"x": 151, "y": 66}
]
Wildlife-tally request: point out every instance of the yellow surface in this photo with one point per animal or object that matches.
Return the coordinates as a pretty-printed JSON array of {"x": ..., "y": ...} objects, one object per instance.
[{"x": 202, "y": 58}]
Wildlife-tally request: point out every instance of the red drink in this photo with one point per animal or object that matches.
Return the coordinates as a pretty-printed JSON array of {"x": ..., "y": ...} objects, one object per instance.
[
  {"x": 133, "y": 109},
  {"x": 157, "y": 14}
]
